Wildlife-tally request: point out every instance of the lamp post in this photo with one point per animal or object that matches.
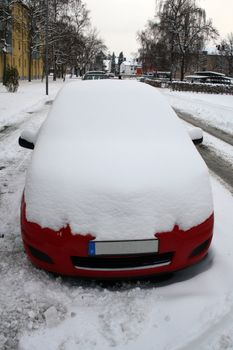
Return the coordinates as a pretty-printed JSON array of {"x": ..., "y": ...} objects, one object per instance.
[{"x": 46, "y": 48}]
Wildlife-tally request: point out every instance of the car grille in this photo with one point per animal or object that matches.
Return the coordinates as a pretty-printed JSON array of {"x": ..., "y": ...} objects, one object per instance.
[{"x": 129, "y": 262}]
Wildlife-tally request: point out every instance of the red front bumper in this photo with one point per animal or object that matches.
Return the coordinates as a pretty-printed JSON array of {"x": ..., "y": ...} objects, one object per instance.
[{"x": 56, "y": 251}]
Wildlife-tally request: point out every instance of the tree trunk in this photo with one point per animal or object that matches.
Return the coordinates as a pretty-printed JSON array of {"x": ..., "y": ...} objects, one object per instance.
[
  {"x": 172, "y": 58},
  {"x": 30, "y": 65},
  {"x": 4, "y": 69},
  {"x": 182, "y": 68},
  {"x": 53, "y": 49},
  {"x": 54, "y": 67}
]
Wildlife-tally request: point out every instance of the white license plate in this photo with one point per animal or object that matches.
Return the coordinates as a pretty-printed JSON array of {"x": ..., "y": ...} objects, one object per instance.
[{"x": 145, "y": 246}]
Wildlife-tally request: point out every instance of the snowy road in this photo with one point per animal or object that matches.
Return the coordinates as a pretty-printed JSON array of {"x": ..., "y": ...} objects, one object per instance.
[
  {"x": 191, "y": 310},
  {"x": 211, "y": 109},
  {"x": 219, "y": 163},
  {"x": 214, "y": 114},
  {"x": 212, "y": 130}
]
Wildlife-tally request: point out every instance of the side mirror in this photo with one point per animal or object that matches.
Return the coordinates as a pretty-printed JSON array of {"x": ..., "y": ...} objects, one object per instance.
[
  {"x": 196, "y": 135},
  {"x": 28, "y": 139}
]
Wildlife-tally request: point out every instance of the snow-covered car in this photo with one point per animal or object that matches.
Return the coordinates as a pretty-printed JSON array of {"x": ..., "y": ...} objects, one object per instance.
[
  {"x": 115, "y": 189},
  {"x": 95, "y": 75}
]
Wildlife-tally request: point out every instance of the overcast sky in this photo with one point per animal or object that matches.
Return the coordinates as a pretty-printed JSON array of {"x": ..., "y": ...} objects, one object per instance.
[{"x": 118, "y": 21}]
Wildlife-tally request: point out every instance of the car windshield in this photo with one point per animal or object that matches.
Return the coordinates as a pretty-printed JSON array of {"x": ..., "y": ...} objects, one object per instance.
[{"x": 95, "y": 76}]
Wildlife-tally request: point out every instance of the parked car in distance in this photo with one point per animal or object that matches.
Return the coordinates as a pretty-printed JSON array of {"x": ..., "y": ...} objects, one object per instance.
[
  {"x": 209, "y": 77},
  {"x": 95, "y": 75},
  {"x": 110, "y": 75},
  {"x": 115, "y": 190}
]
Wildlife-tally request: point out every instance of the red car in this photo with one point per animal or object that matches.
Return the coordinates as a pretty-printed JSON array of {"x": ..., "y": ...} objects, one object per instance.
[{"x": 115, "y": 187}]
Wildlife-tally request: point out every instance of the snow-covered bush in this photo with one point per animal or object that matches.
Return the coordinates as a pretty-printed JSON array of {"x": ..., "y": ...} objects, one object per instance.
[
  {"x": 193, "y": 87},
  {"x": 202, "y": 87},
  {"x": 11, "y": 79},
  {"x": 157, "y": 83}
]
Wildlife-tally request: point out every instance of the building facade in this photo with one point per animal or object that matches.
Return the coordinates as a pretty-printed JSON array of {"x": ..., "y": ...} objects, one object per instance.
[
  {"x": 130, "y": 68},
  {"x": 15, "y": 44}
]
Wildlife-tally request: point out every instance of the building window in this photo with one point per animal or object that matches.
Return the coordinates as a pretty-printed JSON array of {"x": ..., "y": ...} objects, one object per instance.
[
  {"x": 19, "y": 45},
  {"x": 19, "y": 62}
]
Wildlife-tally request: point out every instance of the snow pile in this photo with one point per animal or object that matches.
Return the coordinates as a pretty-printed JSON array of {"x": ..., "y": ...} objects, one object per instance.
[
  {"x": 18, "y": 107},
  {"x": 113, "y": 160},
  {"x": 196, "y": 133},
  {"x": 29, "y": 135},
  {"x": 216, "y": 110}
]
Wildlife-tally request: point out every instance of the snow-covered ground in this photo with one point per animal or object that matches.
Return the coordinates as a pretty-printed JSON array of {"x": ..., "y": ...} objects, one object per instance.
[
  {"x": 172, "y": 315},
  {"x": 17, "y": 107},
  {"x": 192, "y": 310},
  {"x": 214, "y": 109}
]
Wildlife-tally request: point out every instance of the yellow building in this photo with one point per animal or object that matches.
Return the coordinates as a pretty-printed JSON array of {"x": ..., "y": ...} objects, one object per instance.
[{"x": 18, "y": 45}]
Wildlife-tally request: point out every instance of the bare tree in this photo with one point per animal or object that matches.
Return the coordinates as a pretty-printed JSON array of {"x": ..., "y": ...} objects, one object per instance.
[
  {"x": 227, "y": 51},
  {"x": 70, "y": 20},
  {"x": 34, "y": 27},
  {"x": 185, "y": 28},
  {"x": 72, "y": 42},
  {"x": 153, "y": 51},
  {"x": 176, "y": 37},
  {"x": 92, "y": 46},
  {"x": 6, "y": 23}
]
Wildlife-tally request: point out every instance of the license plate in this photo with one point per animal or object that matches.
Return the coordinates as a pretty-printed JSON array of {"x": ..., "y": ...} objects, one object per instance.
[{"x": 145, "y": 246}]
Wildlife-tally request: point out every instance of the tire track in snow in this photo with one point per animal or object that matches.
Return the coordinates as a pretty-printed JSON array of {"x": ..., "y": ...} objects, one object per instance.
[
  {"x": 8, "y": 129},
  {"x": 220, "y": 134},
  {"x": 216, "y": 336},
  {"x": 220, "y": 166},
  {"x": 13, "y": 165}
]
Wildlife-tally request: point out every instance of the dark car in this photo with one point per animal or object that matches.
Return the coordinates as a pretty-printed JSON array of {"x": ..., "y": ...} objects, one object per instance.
[{"x": 95, "y": 75}]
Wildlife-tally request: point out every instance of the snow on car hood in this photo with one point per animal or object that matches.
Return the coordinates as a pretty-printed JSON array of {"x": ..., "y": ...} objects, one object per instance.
[{"x": 113, "y": 159}]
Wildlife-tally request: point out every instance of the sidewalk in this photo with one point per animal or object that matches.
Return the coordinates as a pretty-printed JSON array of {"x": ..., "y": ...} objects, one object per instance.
[{"x": 29, "y": 96}]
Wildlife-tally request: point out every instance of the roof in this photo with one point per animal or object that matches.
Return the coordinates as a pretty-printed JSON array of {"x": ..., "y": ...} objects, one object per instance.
[
  {"x": 210, "y": 72},
  {"x": 196, "y": 76},
  {"x": 126, "y": 63}
]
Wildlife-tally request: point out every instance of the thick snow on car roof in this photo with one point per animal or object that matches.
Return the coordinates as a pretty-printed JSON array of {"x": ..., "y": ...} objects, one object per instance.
[{"x": 113, "y": 159}]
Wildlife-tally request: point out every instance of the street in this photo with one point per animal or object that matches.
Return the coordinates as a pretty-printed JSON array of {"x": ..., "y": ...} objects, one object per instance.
[
  {"x": 116, "y": 186},
  {"x": 41, "y": 311},
  {"x": 216, "y": 162}
]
